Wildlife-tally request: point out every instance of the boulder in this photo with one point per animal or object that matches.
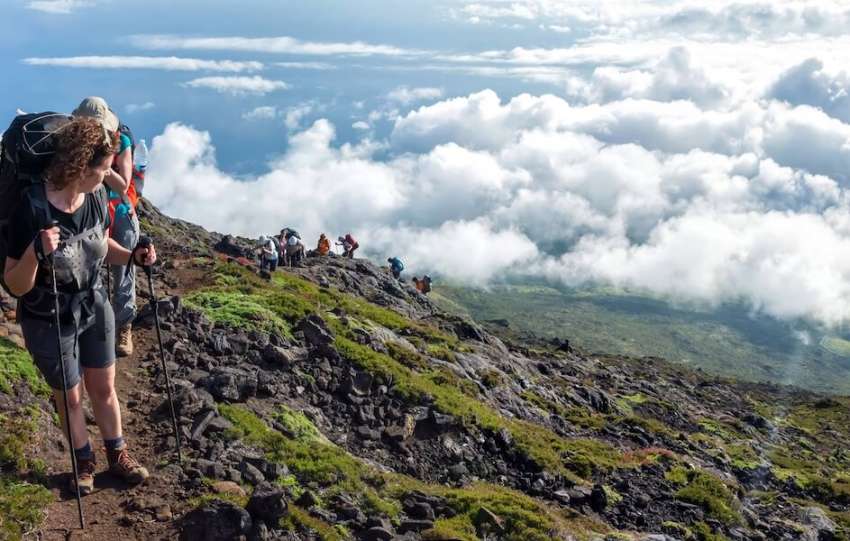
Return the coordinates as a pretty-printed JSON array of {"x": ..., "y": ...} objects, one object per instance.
[
  {"x": 216, "y": 521},
  {"x": 819, "y": 526},
  {"x": 268, "y": 503},
  {"x": 316, "y": 332}
]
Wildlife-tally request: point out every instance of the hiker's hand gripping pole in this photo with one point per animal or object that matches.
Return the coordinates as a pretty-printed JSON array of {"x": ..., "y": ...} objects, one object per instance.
[
  {"x": 146, "y": 244},
  {"x": 49, "y": 259}
]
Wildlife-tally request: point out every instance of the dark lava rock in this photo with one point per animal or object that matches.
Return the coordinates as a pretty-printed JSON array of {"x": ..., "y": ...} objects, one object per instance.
[
  {"x": 412, "y": 525},
  {"x": 216, "y": 521},
  {"x": 316, "y": 332},
  {"x": 268, "y": 503}
]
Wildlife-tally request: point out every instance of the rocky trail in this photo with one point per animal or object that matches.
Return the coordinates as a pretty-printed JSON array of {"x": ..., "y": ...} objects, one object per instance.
[{"x": 330, "y": 401}]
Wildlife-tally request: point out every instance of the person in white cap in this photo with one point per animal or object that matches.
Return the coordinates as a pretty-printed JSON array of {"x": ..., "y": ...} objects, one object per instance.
[{"x": 125, "y": 224}]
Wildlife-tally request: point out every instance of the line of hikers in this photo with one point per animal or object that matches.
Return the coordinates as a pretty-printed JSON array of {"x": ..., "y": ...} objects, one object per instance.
[
  {"x": 69, "y": 185},
  {"x": 289, "y": 248}
]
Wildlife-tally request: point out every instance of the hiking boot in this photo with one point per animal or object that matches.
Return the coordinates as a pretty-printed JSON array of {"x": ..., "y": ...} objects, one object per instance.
[
  {"x": 124, "y": 347},
  {"x": 85, "y": 476},
  {"x": 125, "y": 466}
]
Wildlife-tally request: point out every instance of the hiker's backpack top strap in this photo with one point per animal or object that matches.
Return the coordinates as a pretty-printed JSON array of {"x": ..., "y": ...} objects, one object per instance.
[{"x": 36, "y": 194}]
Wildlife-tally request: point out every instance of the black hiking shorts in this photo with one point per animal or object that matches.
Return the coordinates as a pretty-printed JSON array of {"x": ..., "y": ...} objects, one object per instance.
[{"x": 91, "y": 345}]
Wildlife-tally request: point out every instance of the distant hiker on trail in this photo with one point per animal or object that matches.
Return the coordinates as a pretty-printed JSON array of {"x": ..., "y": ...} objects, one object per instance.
[
  {"x": 294, "y": 250},
  {"x": 58, "y": 230},
  {"x": 268, "y": 254},
  {"x": 287, "y": 232},
  {"x": 424, "y": 285},
  {"x": 349, "y": 245},
  {"x": 124, "y": 225},
  {"x": 396, "y": 266},
  {"x": 324, "y": 246}
]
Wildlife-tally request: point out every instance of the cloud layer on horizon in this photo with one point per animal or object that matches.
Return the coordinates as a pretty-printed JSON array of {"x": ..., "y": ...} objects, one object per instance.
[{"x": 696, "y": 202}]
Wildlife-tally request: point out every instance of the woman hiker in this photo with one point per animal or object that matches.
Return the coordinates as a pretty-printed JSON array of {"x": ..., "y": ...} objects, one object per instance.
[{"x": 77, "y": 247}]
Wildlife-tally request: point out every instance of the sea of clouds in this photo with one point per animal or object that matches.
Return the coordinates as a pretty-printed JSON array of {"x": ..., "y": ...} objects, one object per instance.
[{"x": 694, "y": 149}]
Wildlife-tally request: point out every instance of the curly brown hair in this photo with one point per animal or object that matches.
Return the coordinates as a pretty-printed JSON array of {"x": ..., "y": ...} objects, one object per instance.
[{"x": 80, "y": 144}]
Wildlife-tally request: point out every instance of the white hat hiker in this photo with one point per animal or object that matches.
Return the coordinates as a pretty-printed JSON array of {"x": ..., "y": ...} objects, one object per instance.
[{"x": 97, "y": 108}]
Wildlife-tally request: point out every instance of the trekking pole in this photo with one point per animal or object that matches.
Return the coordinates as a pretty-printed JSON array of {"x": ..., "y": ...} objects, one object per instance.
[
  {"x": 74, "y": 469},
  {"x": 145, "y": 242}
]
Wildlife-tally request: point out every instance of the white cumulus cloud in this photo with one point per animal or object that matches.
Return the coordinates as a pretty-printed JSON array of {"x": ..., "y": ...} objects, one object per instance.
[
  {"x": 133, "y": 108},
  {"x": 59, "y": 6},
  {"x": 169, "y": 63},
  {"x": 281, "y": 44},
  {"x": 238, "y": 86},
  {"x": 406, "y": 95}
]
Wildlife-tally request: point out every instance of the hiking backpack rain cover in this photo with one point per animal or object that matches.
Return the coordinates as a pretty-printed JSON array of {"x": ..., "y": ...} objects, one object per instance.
[{"x": 26, "y": 150}]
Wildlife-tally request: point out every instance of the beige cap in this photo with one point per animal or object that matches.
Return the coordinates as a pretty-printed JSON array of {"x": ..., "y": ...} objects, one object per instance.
[{"x": 97, "y": 108}]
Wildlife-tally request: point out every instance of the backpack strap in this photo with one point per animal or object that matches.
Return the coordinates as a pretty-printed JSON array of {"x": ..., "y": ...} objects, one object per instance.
[{"x": 36, "y": 194}]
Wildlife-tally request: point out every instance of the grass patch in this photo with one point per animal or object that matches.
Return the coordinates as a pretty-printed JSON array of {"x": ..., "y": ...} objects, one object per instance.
[
  {"x": 22, "y": 508},
  {"x": 307, "y": 454},
  {"x": 204, "y": 499},
  {"x": 297, "y": 519},
  {"x": 703, "y": 489},
  {"x": 16, "y": 434},
  {"x": 16, "y": 365},
  {"x": 236, "y": 309},
  {"x": 523, "y": 518}
]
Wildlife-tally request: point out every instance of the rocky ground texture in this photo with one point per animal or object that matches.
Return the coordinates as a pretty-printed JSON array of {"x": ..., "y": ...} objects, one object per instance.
[{"x": 331, "y": 401}]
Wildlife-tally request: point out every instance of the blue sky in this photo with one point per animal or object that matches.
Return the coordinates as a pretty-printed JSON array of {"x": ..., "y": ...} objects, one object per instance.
[
  {"x": 698, "y": 149},
  {"x": 340, "y": 82}
]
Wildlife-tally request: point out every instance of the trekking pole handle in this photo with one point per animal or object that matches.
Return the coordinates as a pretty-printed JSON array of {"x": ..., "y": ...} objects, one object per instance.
[{"x": 144, "y": 242}]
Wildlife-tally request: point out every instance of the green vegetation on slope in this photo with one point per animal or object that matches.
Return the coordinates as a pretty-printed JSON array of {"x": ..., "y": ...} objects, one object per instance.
[
  {"x": 22, "y": 504},
  {"x": 16, "y": 366},
  {"x": 314, "y": 460},
  {"x": 290, "y": 298},
  {"x": 728, "y": 340}
]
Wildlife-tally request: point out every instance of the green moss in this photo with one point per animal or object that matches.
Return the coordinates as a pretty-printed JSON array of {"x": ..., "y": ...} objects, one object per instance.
[
  {"x": 309, "y": 458},
  {"x": 238, "y": 310},
  {"x": 492, "y": 379},
  {"x": 523, "y": 518},
  {"x": 743, "y": 456},
  {"x": 16, "y": 365},
  {"x": 410, "y": 359},
  {"x": 677, "y": 529},
  {"x": 297, "y": 519},
  {"x": 22, "y": 507},
  {"x": 703, "y": 489},
  {"x": 702, "y": 532},
  {"x": 441, "y": 351},
  {"x": 16, "y": 437},
  {"x": 802, "y": 467},
  {"x": 203, "y": 499},
  {"x": 678, "y": 475},
  {"x": 297, "y": 424}
]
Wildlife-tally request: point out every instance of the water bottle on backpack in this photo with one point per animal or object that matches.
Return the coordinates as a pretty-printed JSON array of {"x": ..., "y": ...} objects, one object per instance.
[{"x": 140, "y": 163}]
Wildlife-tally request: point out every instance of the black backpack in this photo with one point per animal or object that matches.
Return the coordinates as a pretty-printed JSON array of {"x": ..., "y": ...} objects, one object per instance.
[{"x": 25, "y": 152}]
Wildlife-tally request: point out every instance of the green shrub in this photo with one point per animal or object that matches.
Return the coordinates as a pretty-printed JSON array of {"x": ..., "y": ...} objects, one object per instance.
[
  {"x": 16, "y": 365},
  {"x": 22, "y": 507}
]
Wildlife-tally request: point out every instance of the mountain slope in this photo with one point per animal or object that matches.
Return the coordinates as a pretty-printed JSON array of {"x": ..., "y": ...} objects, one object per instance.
[
  {"x": 332, "y": 401},
  {"x": 728, "y": 340}
]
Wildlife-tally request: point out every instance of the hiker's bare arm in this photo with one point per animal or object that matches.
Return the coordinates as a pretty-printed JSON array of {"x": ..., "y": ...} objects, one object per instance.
[
  {"x": 20, "y": 273},
  {"x": 118, "y": 255},
  {"x": 125, "y": 165},
  {"x": 116, "y": 182}
]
